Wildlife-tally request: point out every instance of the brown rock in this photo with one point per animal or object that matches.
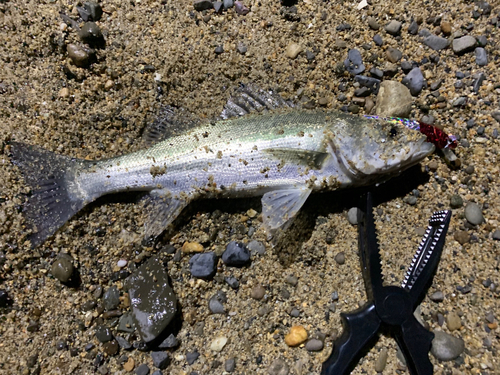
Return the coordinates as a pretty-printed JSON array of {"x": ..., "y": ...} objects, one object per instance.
[
  {"x": 462, "y": 237},
  {"x": 297, "y": 336},
  {"x": 129, "y": 365},
  {"x": 192, "y": 247},
  {"x": 258, "y": 292},
  {"x": 446, "y": 27}
]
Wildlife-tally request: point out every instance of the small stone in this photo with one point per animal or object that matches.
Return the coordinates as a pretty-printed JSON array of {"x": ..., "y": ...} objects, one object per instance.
[
  {"x": 393, "y": 27},
  {"x": 293, "y": 50},
  {"x": 445, "y": 27},
  {"x": 228, "y": 4},
  {"x": 340, "y": 258},
  {"x": 372, "y": 22},
  {"x": 62, "y": 268},
  {"x": 354, "y": 62},
  {"x": 446, "y": 347},
  {"x": 218, "y": 344},
  {"x": 437, "y": 296},
  {"x": 236, "y": 254},
  {"x": 453, "y": 321},
  {"x": 373, "y": 84},
  {"x": 481, "y": 56},
  {"x": 435, "y": 42},
  {"x": 160, "y": 359},
  {"x": 142, "y": 370},
  {"x": 413, "y": 28},
  {"x": 240, "y": 8},
  {"x": 462, "y": 237},
  {"x": 201, "y": 5},
  {"x": 103, "y": 334},
  {"x": 230, "y": 364},
  {"x": 203, "y": 266},
  {"x": 191, "y": 357},
  {"x": 256, "y": 247},
  {"x": 278, "y": 367},
  {"x": 456, "y": 201},
  {"x": 433, "y": 165},
  {"x": 91, "y": 34},
  {"x": 314, "y": 345},
  {"x": 412, "y": 200},
  {"x": 378, "y": 40},
  {"x": 169, "y": 343},
  {"x": 406, "y": 66},
  {"x": 129, "y": 365},
  {"x": 219, "y": 49},
  {"x": 393, "y": 54},
  {"x": 258, "y": 292},
  {"x": 111, "y": 347},
  {"x": 393, "y": 99},
  {"x": 381, "y": 360},
  {"x": 292, "y": 280},
  {"x": 464, "y": 44},
  {"x": 496, "y": 235},
  {"x": 414, "y": 81},
  {"x": 64, "y": 93},
  {"x": 215, "y": 304},
  {"x": 111, "y": 298},
  {"x": 232, "y": 282},
  {"x": 241, "y": 48},
  {"x": 90, "y": 11},
  {"x": 192, "y": 247},
  {"x": 124, "y": 344},
  {"x": 473, "y": 213},
  {"x": 80, "y": 56},
  {"x": 297, "y": 336},
  {"x": 126, "y": 323},
  {"x": 352, "y": 215}
]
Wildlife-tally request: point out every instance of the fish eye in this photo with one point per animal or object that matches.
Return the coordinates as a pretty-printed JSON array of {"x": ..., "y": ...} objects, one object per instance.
[{"x": 393, "y": 132}]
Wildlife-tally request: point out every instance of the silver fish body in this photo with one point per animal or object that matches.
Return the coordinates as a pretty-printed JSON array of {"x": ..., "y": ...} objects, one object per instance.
[{"x": 282, "y": 155}]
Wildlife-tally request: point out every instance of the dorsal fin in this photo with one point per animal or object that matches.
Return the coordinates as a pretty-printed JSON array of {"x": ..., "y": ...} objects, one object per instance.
[
  {"x": 171, "y": 121},
  {"x": 251, "y": 98}
]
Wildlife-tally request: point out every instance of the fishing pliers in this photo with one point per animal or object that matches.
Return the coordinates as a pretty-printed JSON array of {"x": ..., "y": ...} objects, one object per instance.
[{"x": 390, "y": 308}]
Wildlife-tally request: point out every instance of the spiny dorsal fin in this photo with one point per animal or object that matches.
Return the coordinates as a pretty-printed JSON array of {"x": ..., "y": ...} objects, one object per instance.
[
  {"x": 251, "y": 98},
  {"x": 308, "y": 158}
]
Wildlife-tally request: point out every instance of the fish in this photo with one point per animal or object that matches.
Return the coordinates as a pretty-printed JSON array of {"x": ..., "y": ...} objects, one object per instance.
[{"x": 260, "y": 146}]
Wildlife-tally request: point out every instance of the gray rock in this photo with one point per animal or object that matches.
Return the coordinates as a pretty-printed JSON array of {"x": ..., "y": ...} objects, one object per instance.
[
  {"x": 236, "y": 254},
  {"x": 482, "y": 41},
  {"x": 126, "y": 323},
  {"x": 170, "y": 342},
  {"x": 354, "y": 62},
  {"x": 219, "y": 49},
  {"x": 406, "y": 66},
  {"x": 232, "y": 282},
  {"x": 90, "y": 11},
  {"x": 157, "y": 372},
  {"x": 478, "y": 81},
  {"x": 256, "y": 247},
  {"x": 378, "y": 40},
  {"x": 393, "y": 55},
  {"x": 191, "y": 357},
  {"x": 292, "y": 280},
  {"x": 446, "y": 347},
  {"x": 413, "y": 28},
  {"x": 230, "y": 364},
  {"x": 459, "y": 102},
  {"x": 142, "y": 370},
  {"x": 369, "y": 82},
  {"x": 111, "y": 298},
  {"x": 340, "y": 258},
  {"x": 103, "y": 334},
  {"x": 241, "y": 48},
  {"x": 481, "y": 56},
  {"x": 314, "y": 345},
  {"x": 496, "y": 234},
  {"x": 278, "y": 367},
  {"x": 437, "y": 296},
  {"x": 154, "y": 303},
  {"x": 160, "y": 359},
  {"x": 456, "y": 201},
  {"x": 393, "y": 27},
  {"x": 372, "y": 22},
  {"x": 203, "y": 266},
  {"x": 424, "y": 33},
  {"x": 123, "y": 343},
  {"x": 435, "y": 42},
  {"x": 473, "y": 213},
  {"x": 216, "y": 303},
  {"x": 80, "y": 56},
  {"x": 240, "y": 8},
  {"x": 464, "y": 44},
  {"x": 202, "y": 5},
  {"x": 414, "y": 81},
  {"x": 91, "y": 34},
  {"x": 62, "y": 268},
  {"x": 393, "y": 99},
  {"x": 352, "y": 215},
  {"x": 381, "y": 360},
  {"x": 228, "y": 4}
]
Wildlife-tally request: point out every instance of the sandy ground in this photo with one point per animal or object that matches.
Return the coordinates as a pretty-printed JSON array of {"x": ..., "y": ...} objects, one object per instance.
[{"x": 160, "y": 53}]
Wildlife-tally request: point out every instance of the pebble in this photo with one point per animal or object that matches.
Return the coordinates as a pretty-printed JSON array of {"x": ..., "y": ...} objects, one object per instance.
[
  {"x": 340, "y": 258},
  {"x": 453, "y": 321},
  {"x": 481, "y": 56},
  {"x": 393, "y": 55},
  {"x": 462, "y": 237},
  {"x": 456, "y": 201},
  {"x": 393, "y": 99},
  {"x": 240, "y": 8},
  {"x": 126, "y": 323},
  {"x": 111, "y": 298},
  {"x": 496, "y": 235},
  {"x": 314, "y": 345},
  {"x": 91, "y": 34},
  {"x": 241, "y": 48},
  {"x": 490, "y": 317},
  {"x": 230, "y": 364},
  {"x": 236, "y": 254},
  {"x": 352, "y": 215},
  {"x": 464, "y": 44},
  {"x": 160, "y": 359},
  {"x": 278, "y": 367},
  {"x": 191, "y": 357},
  {"x": 473, "y": 213},
  {"x": 216, "y": 303},
  {"x": 381, "y": 360},
  {"x": 293, "y": 50},
  {"x": 103, "y": 334},
  {"x": 292, "y": 280},
  {"x": 406, "y": 66},
  {"x": 80, "y": 56},
  {"x": 393, "y": 27},
  {"x": 228, "y": 4},
  {"x": 111, "y": 347},
  {"x": 201, "y": 5},
  {"x": 258, "y": 292},
  {"x": 413, "y": 28},
  {"x": 121, "y": 263},
  {"x": 437, "y": 296},
  {"x": 446, "y": 27},
  {"x": 169, "y": 343},
  {"x": 129, "y": 365},
  {"x": 142, "y": 370},
  {"x": 218, "y": 344},
  {"x": 90, "y": 11},
  {"x": 232, "y": 282},
  {"x": 446, "y": 347},
  {"x": 354, "y": 62},
  {"x": 203, "y": 266},
  {"x": 62, "y": 268},
  {"x": 124, "y": 344},
  {"x": 372, "y": 22},
  {"x": 256, "y": 247},
  {"x": 369, "y": 82},
  {"x": 219, "y": 49},
  {"x": 435, "y": 42},
  {"x": 64, "y": 93},
  {"x": 192, "y": 247},
  {"x": 414, "y": 81},
  {"x": 378, "y": 40},
  {"x": 295, "y": 312},
  {"x": 297, "y": 336}
]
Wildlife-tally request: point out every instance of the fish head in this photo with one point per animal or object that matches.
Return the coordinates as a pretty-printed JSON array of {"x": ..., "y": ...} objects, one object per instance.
[{"x": 375, "y": 149}]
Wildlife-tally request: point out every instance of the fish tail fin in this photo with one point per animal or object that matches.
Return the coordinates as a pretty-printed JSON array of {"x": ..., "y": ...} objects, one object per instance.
[{"x": 51, "y": 203}]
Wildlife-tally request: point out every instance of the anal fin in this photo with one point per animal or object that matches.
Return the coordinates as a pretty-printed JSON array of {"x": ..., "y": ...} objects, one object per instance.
[
  {"x": 279, "y": 207},
  {"x": 162, "y": 209}
]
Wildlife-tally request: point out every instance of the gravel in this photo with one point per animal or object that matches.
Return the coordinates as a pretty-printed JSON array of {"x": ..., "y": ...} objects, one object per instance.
[
  {"x": 473, "y": 213},
  {"x": 415, "y": 81},
  {"x": 236, "y": 254},
  {"x": 446, "y": 347},
  {"x": 464, "y": 44},
  {"x": 203, "y": 266}
]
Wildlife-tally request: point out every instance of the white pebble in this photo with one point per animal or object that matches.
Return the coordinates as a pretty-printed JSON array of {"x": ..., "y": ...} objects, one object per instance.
[
  {"x": 122, "y": 263},
  {"x": 218, "y": 344}
]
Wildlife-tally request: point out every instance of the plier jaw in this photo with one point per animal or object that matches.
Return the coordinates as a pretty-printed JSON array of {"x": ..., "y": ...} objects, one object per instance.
[{"x": 390, "y": 308}]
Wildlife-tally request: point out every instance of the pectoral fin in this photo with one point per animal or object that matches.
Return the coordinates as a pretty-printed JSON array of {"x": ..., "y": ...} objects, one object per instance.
[
  {"x": 162, "y": 209},
  {"x": 279, "y": 207}
]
